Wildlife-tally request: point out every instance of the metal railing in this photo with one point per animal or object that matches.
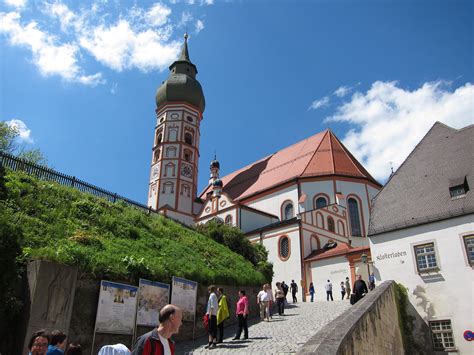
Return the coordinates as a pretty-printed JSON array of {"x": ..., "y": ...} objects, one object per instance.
[{"x": 44, "y": 173}]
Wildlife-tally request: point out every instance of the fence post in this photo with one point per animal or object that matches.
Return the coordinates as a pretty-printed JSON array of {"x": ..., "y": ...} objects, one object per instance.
[
  {"x": 73, "y": 181},
  {"x": 115, "y": 197}
]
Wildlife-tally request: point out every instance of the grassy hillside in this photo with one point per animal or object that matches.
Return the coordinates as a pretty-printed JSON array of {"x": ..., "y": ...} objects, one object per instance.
[{"x": 112, "y": 241}]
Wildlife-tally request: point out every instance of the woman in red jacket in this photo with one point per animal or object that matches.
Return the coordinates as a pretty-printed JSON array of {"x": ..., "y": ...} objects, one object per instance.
[{"x": 242, "y": 311}]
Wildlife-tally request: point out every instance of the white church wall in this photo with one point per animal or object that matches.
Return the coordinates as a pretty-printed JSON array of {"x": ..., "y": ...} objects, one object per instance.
[
  {"x": 334, "y": 269},
  {"x": 351, "y": 189},
  {"x": 284, "y": 270},
  {"x": 250, "y": 220},
  {"x": 314, "y": 188},
  {"x": 272, "y": 203},
  {"x": 438, "y": 295}
]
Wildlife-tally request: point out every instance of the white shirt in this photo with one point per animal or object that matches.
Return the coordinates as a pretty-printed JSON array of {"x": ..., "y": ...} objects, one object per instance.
[
  {"x": 166, "y": 345},
  {"x": 264, "y": 296},
  {"x": 328, "y": 286},
  {"x": 212, "y": 305}
]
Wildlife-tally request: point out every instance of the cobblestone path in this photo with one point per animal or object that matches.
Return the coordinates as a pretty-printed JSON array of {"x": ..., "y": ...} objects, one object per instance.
[{"x": 282, "y": 335}]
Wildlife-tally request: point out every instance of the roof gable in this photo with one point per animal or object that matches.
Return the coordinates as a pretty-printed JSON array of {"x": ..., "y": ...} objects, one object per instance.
[
  {"x": 319, "y": 155},
  {"x": 418, "y": 192}
]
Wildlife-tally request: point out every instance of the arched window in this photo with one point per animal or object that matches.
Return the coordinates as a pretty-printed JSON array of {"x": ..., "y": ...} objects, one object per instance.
[
  {"x": 354, "y": 217},
  {"x": 156, "y": 155},
  {"x": 170, "y": 169},
  {"x": 331, "y": 227},
  {"x": 188, "y": 155},
  {"x": 321, "y": 202},
  {"x": 284, "y": 247},
  {"x": 168, "y": 188},
  {"x": 287, "y": 210},
  {"x": 173, "y": 134},
  {"x": 228, "y": 220},
  {"x": 188, "y": 138},
  {"x": 159, "y": 138},
  {"x": 315, "y": 243}
]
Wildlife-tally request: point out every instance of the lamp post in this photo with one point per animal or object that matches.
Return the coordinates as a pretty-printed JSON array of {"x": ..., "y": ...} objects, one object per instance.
[{"x": 364, "y": 260}]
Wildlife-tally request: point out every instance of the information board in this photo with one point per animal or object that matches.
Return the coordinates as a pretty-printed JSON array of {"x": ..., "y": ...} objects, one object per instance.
[
  {"x": 116, "y": 309},
  {"x": 183, "y": 295},
  {"x": 152, "y": 296}
]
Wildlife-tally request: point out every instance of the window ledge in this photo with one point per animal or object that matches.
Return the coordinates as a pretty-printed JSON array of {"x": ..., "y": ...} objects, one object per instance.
[{"x": 434, "y": 270}]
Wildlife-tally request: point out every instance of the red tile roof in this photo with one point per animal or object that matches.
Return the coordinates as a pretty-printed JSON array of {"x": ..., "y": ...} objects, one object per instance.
[
  {"x": 340, "y": 249},
  {"x": 319, "y": 155}
]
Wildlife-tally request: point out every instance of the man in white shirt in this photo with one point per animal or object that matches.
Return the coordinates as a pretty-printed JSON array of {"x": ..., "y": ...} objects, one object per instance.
[
  {"x": 263, "y": 300},
  {"x": 328, "y": 288},
  {"x": 212, "y": 305}
]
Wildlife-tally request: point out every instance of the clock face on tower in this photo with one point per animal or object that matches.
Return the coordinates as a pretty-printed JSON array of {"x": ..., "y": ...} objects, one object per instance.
[{"x": 187, "y": 171}]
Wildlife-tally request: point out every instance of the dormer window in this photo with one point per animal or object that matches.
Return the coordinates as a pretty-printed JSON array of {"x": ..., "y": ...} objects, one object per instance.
[{"x": 458, "y": 188}]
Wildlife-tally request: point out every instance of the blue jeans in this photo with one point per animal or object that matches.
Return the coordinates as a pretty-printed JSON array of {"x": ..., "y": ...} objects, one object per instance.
[{"x": 312, "y": 296}]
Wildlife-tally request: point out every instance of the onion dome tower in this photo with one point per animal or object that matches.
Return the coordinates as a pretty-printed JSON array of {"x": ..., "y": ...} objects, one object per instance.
[
  {"x": 214, "y": 181},
  {"x": 180, "y": 104}
]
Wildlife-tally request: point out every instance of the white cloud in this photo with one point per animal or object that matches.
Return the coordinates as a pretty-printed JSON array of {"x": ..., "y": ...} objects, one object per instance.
[
  {"x": 185, "y": 18},
  {"x": 49, "y": 57},
  {"x": 120, "y": 47},
  {"x": 16, "y": 3},
  {"x": 389, "y": 121},
  {"x": 342, "y": 91},
  {"x": 24, "y": 134},
  {"x": 114, "y": 88},
  {"x": 62, "y": 13},
  {"x": 199, "y": 26},
  {"x": 158, "y": 14},
  {"x": 319, "y": 103},
  {"x": 207, "y": 2}
]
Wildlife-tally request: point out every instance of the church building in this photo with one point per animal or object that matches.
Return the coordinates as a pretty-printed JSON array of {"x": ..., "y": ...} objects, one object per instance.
[{"x": 308, "y": 204}]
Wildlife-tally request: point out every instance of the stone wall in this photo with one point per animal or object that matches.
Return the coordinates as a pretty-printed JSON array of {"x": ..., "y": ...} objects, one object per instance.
[{"x": 371, "y": 326}]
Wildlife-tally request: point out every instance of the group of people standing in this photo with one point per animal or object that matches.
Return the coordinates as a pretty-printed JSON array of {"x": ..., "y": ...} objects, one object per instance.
[
  {"x": 218, "y": 311},
  {"x": 359, "y": 289},
  {"x": 54, "y": 343}
]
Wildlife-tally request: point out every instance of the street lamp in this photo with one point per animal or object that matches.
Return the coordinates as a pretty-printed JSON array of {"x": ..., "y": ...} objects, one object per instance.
[{"x": 364, "y": 260}]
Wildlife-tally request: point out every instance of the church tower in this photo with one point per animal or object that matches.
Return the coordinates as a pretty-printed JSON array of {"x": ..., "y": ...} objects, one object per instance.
[{"x": 174, "y": 167}]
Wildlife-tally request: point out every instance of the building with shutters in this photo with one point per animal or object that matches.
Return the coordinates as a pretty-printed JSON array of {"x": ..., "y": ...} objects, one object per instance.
[{"x": 422, "y": 235}]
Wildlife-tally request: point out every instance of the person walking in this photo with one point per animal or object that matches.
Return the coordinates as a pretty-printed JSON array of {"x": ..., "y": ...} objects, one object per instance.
[
  {"x": 360, "y": 289},
  {"x": 280, "y": 299},
  {"x": 328, "y": 288},
  {"x": 271, "y": 301},
  {"x": 311, "y": 291},
  {"x": 222, "y": 314},
  {"x": 158, "y": 342},
  {"x": 284, "y": 287},
  {"x": 348, "y": 288},
  {"x": 263, "y": 300},
  {"x": 294, "y": 290},
  {"x": 242, "y": 311},
  {"x": 371, "y": 281},
  {"x": 212, "y": 306},
  {"x": 343, "y": 290}
]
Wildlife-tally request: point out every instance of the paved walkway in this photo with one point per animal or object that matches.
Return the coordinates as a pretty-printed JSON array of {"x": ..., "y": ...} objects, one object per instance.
[{"x": 282, "y": 335}]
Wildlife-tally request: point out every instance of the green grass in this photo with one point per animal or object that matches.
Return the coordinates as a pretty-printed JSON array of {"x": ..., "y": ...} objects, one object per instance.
[{"x": 113, "y": 240}]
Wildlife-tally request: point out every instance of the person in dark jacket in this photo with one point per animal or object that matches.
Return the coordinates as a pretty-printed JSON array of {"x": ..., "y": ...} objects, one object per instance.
[
  {"x": 157, "y": 342},
  {"x": 359, "y": 289}
]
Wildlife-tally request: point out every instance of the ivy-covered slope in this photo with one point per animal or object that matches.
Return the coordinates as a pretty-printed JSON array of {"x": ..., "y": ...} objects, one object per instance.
[{"x": 113, "y": 241}]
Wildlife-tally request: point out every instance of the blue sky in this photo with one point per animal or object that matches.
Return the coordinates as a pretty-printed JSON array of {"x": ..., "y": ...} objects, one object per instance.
[{"x": 79, "y": 78}]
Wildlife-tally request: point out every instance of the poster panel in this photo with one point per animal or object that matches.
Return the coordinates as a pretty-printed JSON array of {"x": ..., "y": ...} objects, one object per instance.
[
  {"x": 183, "y": 295},
  {"x": 116, "y": 309},
  {"x": 152, "y": 296}
]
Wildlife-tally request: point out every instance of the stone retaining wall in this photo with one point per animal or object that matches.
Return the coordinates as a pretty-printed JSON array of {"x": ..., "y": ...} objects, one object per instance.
[{"x": 371, "y": 326}]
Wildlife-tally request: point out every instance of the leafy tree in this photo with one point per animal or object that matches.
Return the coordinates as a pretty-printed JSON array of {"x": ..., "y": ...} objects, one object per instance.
[
  {"x": 236, "y": 241},
  {"x": 8, "y": 144},
  {"x": 7, "y": 138}
]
